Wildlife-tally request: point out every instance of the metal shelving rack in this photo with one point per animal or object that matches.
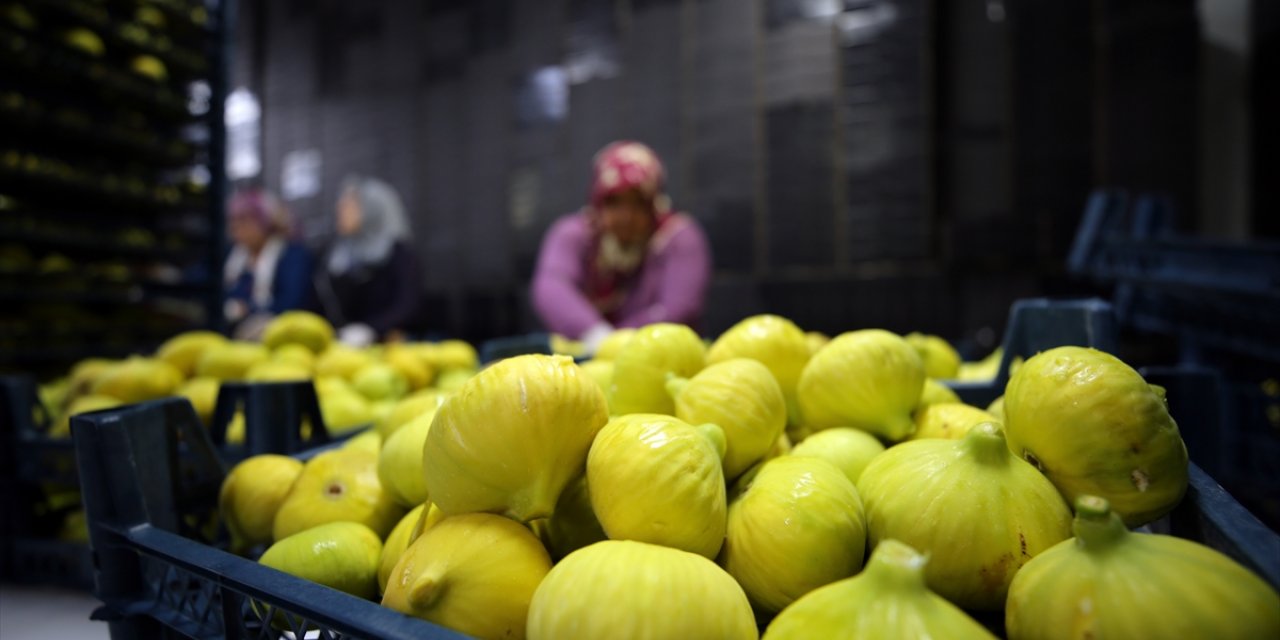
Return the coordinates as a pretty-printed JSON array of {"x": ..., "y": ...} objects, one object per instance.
[{"x": 112, "y": 177}]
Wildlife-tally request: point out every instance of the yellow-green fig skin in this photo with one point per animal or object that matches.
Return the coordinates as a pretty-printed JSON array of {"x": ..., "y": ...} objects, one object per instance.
[
  {"x": 396, "y": 543},
  {"x": 299, "y": 327},
  {"x": 137, "y": 379},
  {"x": 340, "y": 555},
  {"x": 183, "y": 351},
  {"x": 339, "y": 485},
  {"x": 740, "y": 396},
  {"x": 230, "y": 361},
  {"x": 430, "y": 517},
  {"x": 935, "y": 392},
  {"x": 775, "y": 342},
  {"x": 654, "y": 478},
  {"x": 798, "y": 526},
  {"x": 949, "y": 420},
  {"x": 400, "y": 462},
  {"x": 939, "y": 357},
  {"x": 251, "y": 494},
  {"x": 1095, "y": 427},
  {"x": 889, "y": 599},
  {"x": 1108, "y": 582},
  {"x": 475, "y": 573},
  {"x": 640, "y": 370},
  {"x": 599, "y": 370},
  {"x": 979, "y": 512},
  {"x": 996, "y": 408},
  {"x": 849, "y": 449},
  {"x": 409, "y": 409},
  {"x": 627, "y": 590},
  {"x": 612, "y": 345},
  {"x": 869, "y": 379},
  {"x": 512, "y": 438},
  {"x": 574, "y": 524}
]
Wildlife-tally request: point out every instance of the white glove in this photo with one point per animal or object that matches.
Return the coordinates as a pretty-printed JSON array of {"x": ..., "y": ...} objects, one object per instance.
[
  {"x": 357, "y": 335},
  {"x": 591, "y": 338}
]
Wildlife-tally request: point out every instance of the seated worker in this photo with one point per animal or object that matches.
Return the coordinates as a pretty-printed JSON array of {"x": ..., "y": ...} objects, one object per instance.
[
  {"x": 624, "y": 260},
  {"x": 370, "y": 288},
  {"x": 265, "y": 273}
]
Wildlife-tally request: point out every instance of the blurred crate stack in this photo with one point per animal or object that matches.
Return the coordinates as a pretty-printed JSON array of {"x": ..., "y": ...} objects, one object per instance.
[
  {"x": 162, "y": 576},
  {"x": 1219, "y": 302},
  {"x": 41, "y": 523},
  {"x": 885, "y": 126},
  {"x": 111, "y": 177}
]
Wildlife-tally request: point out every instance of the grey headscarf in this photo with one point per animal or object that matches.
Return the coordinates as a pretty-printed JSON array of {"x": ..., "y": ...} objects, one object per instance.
[{"x": 382, "y": 224}]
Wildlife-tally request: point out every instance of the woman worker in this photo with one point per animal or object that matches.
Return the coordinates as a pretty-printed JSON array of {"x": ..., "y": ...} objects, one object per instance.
[
  {"x": 624, "y": 260},
  {"x": 265, "y": 272},
  {"x": 370, "y": 287}
]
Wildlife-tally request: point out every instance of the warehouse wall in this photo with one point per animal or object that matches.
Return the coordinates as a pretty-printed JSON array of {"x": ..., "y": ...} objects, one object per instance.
[{"x": 855, "y": 163}]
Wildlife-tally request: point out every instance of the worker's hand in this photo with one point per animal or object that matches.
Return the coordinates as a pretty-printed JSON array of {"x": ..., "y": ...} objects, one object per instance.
[
  {"x": 592, "y": 337},
  {"x": 233, "y": 310},
  {"x": 252, "y": 327},
  {"x": 357, "y": 335}
]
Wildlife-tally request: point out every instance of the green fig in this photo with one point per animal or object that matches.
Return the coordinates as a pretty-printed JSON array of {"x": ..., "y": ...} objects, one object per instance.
[
  {"x": 1095, "y": 427},
  {"x": 849, "y": 449},
  {"x": 338, "y": 485},
  {"x": 251, "y": 495},
  {"x": 396, "y": 543},
  {"x": 340, "y": 555}
]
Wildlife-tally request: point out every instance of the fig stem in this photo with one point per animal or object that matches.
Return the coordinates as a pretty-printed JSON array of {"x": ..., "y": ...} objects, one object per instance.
[
  {"x": 426, "y": 589},
  {"x": 896, "y": 565},
  {"x": 985, "y": 442},
  {"x": 675, "y": 385},
  {"x": 715, "y": 435},
  {"x": 1095, "y": 525},
  {"x": 899, "y": 426},
  {"x": 533, "y": 504}
]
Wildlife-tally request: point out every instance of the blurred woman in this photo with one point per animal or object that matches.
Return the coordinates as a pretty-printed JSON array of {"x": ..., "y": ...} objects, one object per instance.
[
  {"x": 626, "y": 259},
  {"x": 371, "y": 285},
  {"x": 265, "y": 273}
]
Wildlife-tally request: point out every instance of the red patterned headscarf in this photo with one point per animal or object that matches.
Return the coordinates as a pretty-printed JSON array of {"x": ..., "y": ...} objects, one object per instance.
[
  {"x": 627, "y": 165},
  {"x": 619, "y": 167},
  {"x": 264, "y": 209}
]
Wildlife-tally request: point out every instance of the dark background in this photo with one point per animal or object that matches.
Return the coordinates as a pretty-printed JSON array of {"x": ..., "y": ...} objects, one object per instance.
[{"x": 913, "y": 165}]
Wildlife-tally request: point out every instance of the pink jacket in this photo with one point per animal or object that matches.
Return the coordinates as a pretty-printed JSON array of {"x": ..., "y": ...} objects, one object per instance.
[{"x": 669, "y": 287}]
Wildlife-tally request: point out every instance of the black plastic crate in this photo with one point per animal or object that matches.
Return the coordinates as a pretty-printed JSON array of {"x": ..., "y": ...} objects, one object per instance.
[
  {"x": 51, "y": 562},
  {"x": 279, "y": 417},
  {"x": 29, "y": 548},
  {"x": 29, "y": 453},
  {"x": 30, "y": 551},
  {"x": 497, "y": 349},
  {"x": 155, "y": 581},
  {"x": 1218, "y": 302},
  {"x": 1038, "y": 324},
  {"x": 1232, "y": 430},
  {"x": 511, "y": 346},
  {"x": 148, "y": 468},
  {"x": 1211, "y": 295},
  {"x": 1211, "y": 516}
]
